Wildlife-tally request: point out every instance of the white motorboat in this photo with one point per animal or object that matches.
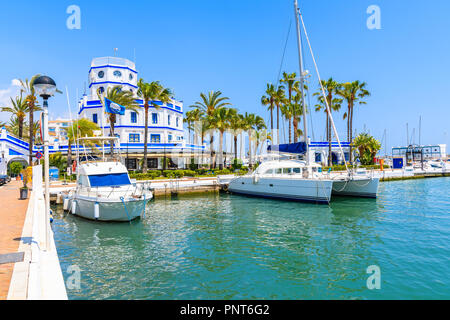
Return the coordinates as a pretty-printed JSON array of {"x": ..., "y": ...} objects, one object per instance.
[
  {"x": 285, "y": 179},
  {"x": 105, "y": 192},
  {"x": 302, "y": 180}
]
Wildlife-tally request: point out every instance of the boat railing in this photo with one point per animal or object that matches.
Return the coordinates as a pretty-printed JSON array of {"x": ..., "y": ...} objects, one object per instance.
[{"x": 131, "y": 191}]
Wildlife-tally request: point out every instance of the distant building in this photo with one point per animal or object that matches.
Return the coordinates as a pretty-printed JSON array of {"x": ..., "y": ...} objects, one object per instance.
[
  {"x": 57, "y": 130},
  {"x": 430, "y": 152}
]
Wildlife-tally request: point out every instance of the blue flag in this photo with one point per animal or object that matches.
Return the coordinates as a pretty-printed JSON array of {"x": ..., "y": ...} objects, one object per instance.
[{"x": 112, "y": 107}]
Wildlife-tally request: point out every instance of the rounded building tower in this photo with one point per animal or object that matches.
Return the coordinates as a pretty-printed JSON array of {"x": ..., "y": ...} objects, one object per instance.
[{"x": 111, "y": 71}]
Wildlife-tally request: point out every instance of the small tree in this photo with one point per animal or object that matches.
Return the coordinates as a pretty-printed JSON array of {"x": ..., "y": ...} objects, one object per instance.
[
  {"x": 15, "y": 168},
  {"x": 367, "y": 147}
]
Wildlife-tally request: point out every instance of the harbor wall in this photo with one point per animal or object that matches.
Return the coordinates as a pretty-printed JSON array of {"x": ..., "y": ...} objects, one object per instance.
[{"x": 39, "y": 275}]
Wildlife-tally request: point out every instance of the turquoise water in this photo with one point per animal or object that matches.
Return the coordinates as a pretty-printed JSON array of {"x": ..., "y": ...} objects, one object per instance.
[{"x": 233, "y": 247}]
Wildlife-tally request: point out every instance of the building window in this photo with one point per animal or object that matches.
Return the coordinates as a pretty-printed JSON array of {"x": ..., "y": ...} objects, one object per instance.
[
  {"x": 134, "y": 137},
  {"x": 318, "y": 157},
  {"x": 117, "y": 73},
  {"x": 95, "y": 118},
  {"x": 101, "y": 74},
  {"x": 152, "y": 163},
  {"x": 131, "y": 164},
  {"x": 155, "y": 138},
  {"x": 178, "y": 122},
  {"x": 133, "y": 117},
  {"x": 154, "y": 118},
  {"x": 101, "y": 89},
  {"x": 168, "y": 120},
  {"x": 131, "y": 76},
  {"x": 170, "y": 137}
]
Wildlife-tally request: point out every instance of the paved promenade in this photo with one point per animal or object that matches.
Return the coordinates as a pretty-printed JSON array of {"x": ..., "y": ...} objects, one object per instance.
[{"x": 12, "y": 218}]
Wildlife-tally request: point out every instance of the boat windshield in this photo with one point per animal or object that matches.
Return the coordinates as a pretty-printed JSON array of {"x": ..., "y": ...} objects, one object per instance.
[{"x": 107, "y": 180}]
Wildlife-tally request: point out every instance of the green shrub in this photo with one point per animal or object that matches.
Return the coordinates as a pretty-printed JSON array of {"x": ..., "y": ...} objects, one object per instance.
[
  {"x": 222, "y": 172},
  {"x": 189, "y": 173},
  {"x": 237, "y": 164}
]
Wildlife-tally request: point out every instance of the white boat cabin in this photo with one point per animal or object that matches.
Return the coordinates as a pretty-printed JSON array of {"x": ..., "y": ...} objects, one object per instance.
[
  {"x": 286, "y": 167},
  {"x": 103, "y": 174}
]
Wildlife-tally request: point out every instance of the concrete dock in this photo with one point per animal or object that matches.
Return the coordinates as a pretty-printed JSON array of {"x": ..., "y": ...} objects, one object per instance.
[
  {"x": 31, "y": 268},
  {"x": 12, "y": 218}
]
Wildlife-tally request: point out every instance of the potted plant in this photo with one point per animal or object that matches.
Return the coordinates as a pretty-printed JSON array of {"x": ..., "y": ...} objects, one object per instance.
[{"x": 24, "y": 189}]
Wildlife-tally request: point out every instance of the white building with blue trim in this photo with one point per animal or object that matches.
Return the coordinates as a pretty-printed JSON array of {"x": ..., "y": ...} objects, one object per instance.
[{"x": 165, "y": 127}]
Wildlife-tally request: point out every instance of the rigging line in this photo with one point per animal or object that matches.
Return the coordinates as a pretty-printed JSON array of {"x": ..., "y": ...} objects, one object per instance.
[
  {"x": 284, "y": 53},
  {"x": 310, "y": 115},
  {"x": 309, "y": 97},
  {"x": 279, "y": 75},
  {"x": 323, "y": 91}
]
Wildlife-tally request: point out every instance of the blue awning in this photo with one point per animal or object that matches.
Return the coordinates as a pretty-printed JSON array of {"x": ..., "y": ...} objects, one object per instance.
[
  {"x": 297, "y": 148},
  {"x": 107, "y": 180}
]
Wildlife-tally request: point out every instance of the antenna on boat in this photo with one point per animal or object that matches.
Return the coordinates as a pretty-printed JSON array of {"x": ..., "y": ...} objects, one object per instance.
[
  {"x": 298, "y": 16},
  {"x": 300, "y": 57},
  {"x": 420, "y": 130}
]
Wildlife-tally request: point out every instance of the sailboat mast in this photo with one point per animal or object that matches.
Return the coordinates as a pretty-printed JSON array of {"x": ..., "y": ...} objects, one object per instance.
[{"x": 302, "y": 80}]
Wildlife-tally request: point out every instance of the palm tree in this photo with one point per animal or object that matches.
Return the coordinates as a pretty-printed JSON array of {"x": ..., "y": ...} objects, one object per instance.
[
  {"x": 261, "y": 136},
  {"x": 191, "y": 118},
  {"x": 236, "y": 127},
  {"x": 292, "y": 84},
  {"x": 352, "y": 92},
  {"x": 252, "y": 122},
  {"x": 288, "y": 111},
  {"x": 221, "y": 121},
  {"x": 208, "y": 104},
  {"x": 151, "y": 93},
  {"x": 269, "y": 101},
  {"x": 123, "y": 98},
  {"x": 196, "y": 122},
  {"x": 82, "y": 128},
  {"x": 13, "y": 126},
  {"x": 279, "y": 99},
  {"x": 331, "y": 88},
  {"x": 19, "y": 110},
  {"x": 31, "y": 100},
  {"x": 297, "y": 106}
]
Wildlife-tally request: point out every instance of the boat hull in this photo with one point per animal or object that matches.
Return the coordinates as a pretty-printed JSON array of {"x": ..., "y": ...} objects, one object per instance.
[
  {"x": 108, "y": 211},
  {"x": 363, "y": 188},
  {"x": 302, "y": 190}
]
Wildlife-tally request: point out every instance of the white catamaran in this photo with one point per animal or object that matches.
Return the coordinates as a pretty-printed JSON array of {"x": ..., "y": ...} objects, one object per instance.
[
  {"x": 104, "y": 190},
  {"x": 303, "y": 180}
]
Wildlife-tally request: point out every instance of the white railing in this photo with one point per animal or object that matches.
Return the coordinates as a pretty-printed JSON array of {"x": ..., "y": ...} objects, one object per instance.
[{"x": 113, "y": 61}]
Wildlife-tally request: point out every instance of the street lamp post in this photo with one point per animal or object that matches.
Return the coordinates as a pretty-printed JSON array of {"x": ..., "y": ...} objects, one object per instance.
[{"x": 46, "y": 87}]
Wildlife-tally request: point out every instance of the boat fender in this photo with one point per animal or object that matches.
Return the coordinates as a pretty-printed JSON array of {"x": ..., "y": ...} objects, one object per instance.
[
  {"x": 255, "y": 179},
  {"x": 97, "y": 210},
  {"x": 66, "y": 204},
  {"x": 74, "y": 207}
]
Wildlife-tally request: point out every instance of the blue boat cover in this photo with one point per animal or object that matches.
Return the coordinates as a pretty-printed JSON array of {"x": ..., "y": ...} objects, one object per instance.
[
  {"x": 107, "y": 180},
  {"x": 298, "y": 148}
]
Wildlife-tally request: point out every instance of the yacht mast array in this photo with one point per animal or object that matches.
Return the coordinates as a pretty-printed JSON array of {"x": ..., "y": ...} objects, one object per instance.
[
  {"x": 299, "y": 19},
  {"x": 300, "y": 57}
]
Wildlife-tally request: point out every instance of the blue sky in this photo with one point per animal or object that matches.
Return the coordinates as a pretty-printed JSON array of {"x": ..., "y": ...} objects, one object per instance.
[{"x": 236, "y": 47}]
